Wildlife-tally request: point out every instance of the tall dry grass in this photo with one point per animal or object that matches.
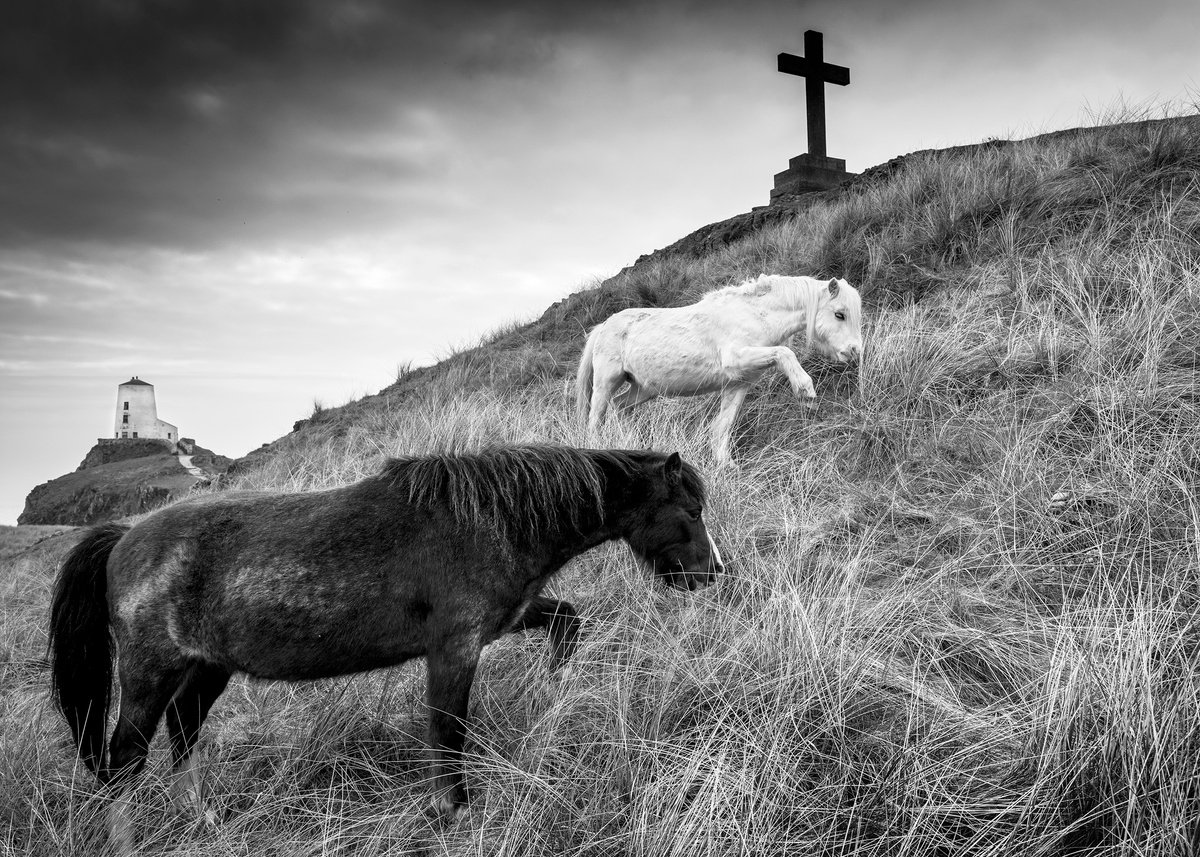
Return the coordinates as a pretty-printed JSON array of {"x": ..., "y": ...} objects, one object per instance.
[{"x": 960, "y": 613}]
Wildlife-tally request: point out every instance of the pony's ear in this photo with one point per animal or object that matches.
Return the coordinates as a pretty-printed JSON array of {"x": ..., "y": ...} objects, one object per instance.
[
  {"x": 672, "y": 468},
  {"x": 833, "y": 288}
]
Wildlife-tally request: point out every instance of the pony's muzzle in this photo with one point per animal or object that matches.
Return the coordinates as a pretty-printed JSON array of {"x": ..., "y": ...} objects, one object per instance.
[
  {"x": 707, "y": 574},
  {"x": 690, "y": 579},
  {"x": 699, "y": 580}
]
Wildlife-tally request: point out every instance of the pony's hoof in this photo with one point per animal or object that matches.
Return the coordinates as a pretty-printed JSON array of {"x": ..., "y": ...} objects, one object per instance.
[
  {"x": 447, "y": 810},
  {"x": 545, "y": 688}
]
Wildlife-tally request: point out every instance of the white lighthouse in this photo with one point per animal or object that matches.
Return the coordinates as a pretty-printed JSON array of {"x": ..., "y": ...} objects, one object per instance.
[{"x": 137, "y": 414}]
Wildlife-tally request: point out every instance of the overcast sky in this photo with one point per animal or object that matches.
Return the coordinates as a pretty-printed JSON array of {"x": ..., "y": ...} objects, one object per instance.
[{"x": 254, "y": 205}]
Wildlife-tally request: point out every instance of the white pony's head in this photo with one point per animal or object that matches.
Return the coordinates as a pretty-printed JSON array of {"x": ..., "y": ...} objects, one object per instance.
[{"x": 835, "y": 327}]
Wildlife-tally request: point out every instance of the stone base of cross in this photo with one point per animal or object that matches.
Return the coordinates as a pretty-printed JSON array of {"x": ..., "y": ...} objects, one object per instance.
[{"x": 808, "y": 173}]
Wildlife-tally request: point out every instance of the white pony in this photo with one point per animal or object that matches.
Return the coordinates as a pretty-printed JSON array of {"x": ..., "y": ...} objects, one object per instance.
[{"x": 723, "y": 343}]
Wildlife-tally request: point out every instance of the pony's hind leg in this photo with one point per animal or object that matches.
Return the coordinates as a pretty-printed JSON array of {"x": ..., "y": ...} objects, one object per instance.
[
  {"x": 632, "y": 396},
  {"x": 607, "y": 378},
  {"x": 146, "y": 687},
  {"x": 722, "y": 427},
  {"x": 560, "y": 621},
  {"x": 185, "y": 715}
]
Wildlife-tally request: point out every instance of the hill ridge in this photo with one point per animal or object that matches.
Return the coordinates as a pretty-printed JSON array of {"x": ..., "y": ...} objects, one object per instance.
[{"x": 581, "y": 310}]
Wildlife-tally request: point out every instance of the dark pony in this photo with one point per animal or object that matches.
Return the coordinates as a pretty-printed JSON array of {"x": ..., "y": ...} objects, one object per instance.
[{"x": 432, "y": 557}]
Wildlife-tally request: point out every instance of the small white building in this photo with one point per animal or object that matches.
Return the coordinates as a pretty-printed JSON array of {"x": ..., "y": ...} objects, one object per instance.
[{"x": 137, "y": 414}]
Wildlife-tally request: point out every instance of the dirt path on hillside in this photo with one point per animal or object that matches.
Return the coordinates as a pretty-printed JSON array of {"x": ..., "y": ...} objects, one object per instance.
[{"x": 185, "y": 461}]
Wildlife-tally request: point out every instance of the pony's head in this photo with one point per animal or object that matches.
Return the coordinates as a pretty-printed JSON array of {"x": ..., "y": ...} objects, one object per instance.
[
  {"x": 835, "y": 327},
  {"x": 665, "y": 527}
]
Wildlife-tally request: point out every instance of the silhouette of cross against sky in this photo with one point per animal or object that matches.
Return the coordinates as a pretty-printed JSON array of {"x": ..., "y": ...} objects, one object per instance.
[{"x": 816, "y": 73}]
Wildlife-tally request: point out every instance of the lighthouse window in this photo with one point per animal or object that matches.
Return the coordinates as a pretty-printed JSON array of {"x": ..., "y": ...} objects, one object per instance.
[
  {"x": 127, "y": 406},
  {"x": 124, "y": 434},
  {"x": 135, "y": 434},
  {"x": 125, "y": 419}
]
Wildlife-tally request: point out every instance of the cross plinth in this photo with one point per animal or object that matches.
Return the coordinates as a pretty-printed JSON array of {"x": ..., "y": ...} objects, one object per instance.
[{"x": 814, "y": 170}]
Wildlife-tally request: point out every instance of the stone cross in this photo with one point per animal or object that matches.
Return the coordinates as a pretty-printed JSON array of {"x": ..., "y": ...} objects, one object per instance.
[{"x": 816, "y": 73}]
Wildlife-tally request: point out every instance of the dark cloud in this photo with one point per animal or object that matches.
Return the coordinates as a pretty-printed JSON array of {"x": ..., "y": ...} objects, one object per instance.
[
  {"x": 189, "y": 123},
  {"x": 168, "y": 121},
  {"x": 111, "y": 55},
  {"x": 97, "y": 57}
]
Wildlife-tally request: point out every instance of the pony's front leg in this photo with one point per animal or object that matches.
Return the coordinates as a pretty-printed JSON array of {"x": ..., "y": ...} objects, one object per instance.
[
  {"x": 451, "y": 672},
  {"x": 746, "y": 363},
  {"x": 789, "y": 365},
  {"x": 560, "y": 621}
]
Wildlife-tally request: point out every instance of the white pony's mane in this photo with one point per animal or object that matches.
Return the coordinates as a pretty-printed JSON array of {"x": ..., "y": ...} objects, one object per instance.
[
  {"x": 765, "y": 284},
  {"x": 746, "y": 288}
]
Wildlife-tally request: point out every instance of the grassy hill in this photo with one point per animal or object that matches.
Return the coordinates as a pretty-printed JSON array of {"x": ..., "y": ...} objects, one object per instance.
[
  {"x": 15, "y": 541},
  {"x": 960, "y": 614}
]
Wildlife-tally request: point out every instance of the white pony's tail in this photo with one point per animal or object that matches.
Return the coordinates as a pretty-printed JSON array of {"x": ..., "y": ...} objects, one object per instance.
[{"x": 583, "y": 380}]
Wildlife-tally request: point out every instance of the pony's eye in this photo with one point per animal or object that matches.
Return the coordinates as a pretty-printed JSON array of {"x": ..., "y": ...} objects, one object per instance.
[
  {"x": 694, "y": 514},
  {"x": 840, "y": 316}
]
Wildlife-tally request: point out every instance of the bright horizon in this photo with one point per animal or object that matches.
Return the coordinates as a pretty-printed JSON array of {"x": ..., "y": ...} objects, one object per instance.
[{"x": 258, "y": 205}]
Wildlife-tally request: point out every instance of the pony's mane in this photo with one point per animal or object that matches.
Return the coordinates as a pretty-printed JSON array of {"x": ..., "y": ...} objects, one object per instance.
[
  {"x": 516, "y": 492},
  {"x": 760, "y": 285},
  {"x": 520, "y": 493}
]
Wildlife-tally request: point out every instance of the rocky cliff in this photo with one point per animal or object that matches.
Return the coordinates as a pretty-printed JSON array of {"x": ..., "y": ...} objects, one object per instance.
[{"x": 116, "y": 480}]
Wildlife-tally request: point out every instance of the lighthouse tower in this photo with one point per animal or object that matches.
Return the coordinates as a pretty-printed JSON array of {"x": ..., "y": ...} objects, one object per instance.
[{"x": 137, "y": 414}]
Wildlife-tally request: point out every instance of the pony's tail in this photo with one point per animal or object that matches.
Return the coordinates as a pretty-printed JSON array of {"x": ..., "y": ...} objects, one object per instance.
[
  {"x": 81, "y": 652},
  {"x": 583, "y": 381}
]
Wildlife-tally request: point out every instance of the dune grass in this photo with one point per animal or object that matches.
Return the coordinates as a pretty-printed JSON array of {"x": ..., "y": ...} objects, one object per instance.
[{"x": 960, "y": 610}]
